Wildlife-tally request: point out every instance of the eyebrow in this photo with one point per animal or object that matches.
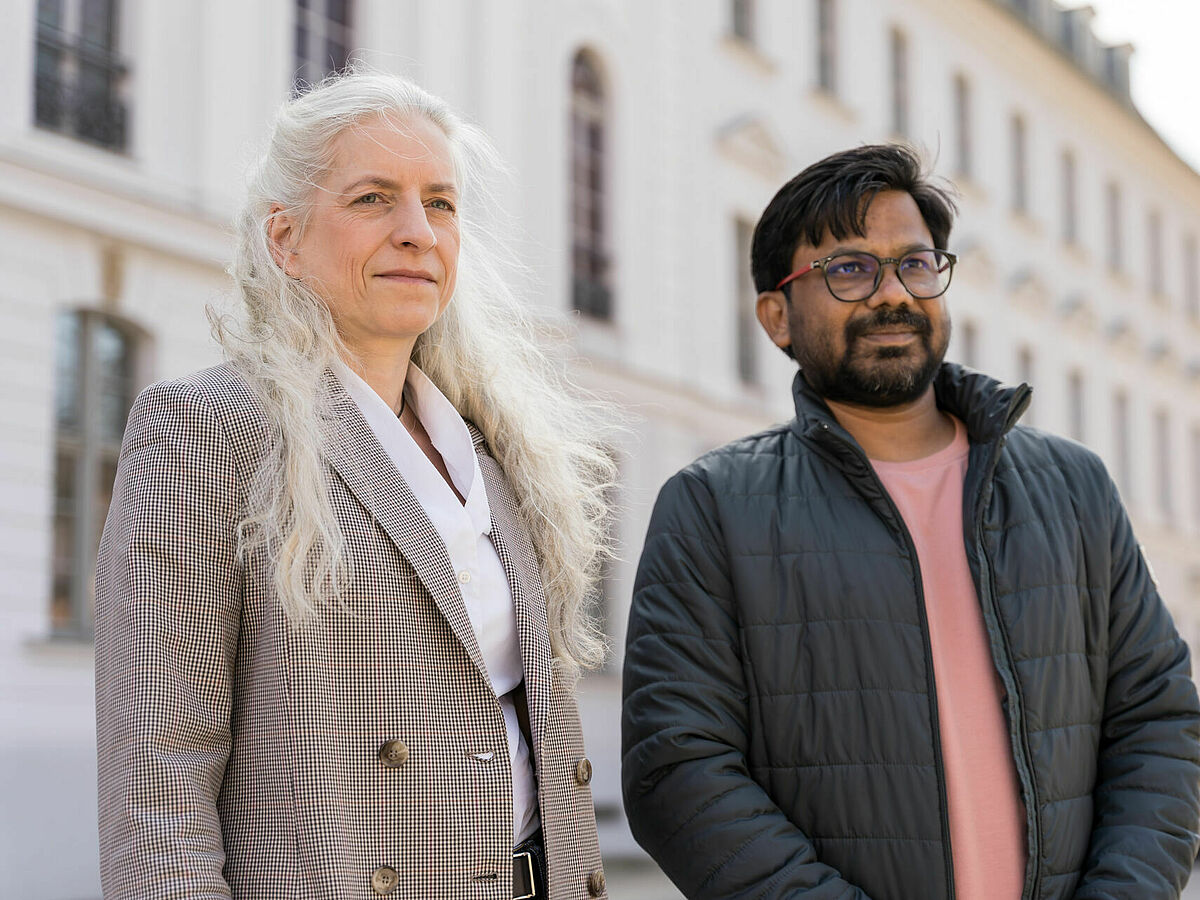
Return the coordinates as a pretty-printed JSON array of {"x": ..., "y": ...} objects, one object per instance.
[
  {"x": 907, "y": 248},
  {"x": 379, "y": 181}
]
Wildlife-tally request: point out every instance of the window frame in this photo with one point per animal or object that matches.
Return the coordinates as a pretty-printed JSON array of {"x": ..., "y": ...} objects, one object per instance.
[{"x": 91, "y": 449}]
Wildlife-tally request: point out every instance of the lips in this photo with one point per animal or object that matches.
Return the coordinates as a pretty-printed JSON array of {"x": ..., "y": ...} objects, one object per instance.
[{"x": 406, "y": 275}]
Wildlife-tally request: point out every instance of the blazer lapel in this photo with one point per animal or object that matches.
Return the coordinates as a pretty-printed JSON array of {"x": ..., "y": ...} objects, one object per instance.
[
  {"x": 521, "y": 566},
  {"x": 361, "y": 462}
]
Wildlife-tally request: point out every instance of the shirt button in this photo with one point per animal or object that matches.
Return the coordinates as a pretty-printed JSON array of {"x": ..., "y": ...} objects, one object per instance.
[
  {"x": 384, "y": 880},
  {"x": 393, "y": 754},
  {"x": 464, "y": 577},
  {"x": 583, "y": 772},
  {"x": 596, "y": 883}
]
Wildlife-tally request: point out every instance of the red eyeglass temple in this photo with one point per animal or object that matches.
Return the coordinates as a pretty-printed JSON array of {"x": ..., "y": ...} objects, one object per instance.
[{"x": 796, "y": 275}]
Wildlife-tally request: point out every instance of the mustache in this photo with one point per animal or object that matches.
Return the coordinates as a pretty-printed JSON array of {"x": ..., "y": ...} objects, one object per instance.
[{"x": 888, "y": 316}]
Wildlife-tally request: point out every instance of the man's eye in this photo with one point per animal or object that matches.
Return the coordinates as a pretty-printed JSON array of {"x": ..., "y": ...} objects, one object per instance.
[
  {"x": 917, "y": 263},
  {"x": 846, "y": 267},
  {"x": 439, "y": 203}
]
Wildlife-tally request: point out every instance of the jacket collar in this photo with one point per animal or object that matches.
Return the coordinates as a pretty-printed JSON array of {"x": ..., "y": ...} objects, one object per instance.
[{"x": 988, "y": 408}]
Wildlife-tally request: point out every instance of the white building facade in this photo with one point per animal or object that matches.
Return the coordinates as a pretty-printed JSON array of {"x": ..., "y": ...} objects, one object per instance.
[{"x": 646, "y": 138}]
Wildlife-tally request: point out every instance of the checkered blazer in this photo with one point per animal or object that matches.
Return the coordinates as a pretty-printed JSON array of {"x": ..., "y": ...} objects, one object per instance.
[{"x": 240, "y": 756}]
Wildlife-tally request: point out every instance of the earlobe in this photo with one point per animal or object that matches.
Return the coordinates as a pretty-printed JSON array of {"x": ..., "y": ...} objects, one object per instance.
[{"x": 771, "y": 309}]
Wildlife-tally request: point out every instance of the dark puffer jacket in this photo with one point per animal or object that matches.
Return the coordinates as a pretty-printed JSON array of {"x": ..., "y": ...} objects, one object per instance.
[{"x": 780, "y": 734}]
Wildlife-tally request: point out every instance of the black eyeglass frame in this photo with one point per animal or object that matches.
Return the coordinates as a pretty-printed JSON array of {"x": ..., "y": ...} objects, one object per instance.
[{"x": 822, "y": 264}]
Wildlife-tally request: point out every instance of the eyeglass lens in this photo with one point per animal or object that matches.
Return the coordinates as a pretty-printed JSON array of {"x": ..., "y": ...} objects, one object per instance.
[{"x": 855, "y": 276}]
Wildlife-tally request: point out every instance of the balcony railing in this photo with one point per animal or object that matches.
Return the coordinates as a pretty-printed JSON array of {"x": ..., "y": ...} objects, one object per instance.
[{"x": 78, "y": 90}]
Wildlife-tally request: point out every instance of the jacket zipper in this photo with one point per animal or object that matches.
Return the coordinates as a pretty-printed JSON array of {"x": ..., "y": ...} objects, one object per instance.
[
  {"x": 1002, "y": 654},
  {"x": 939, "y": 768}
]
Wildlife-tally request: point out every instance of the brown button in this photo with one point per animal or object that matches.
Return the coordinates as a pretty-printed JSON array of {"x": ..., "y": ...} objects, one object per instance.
[
  {"x": 384, "y": 880},
  {"x": 393, "y": 754},
  {"x": 596, "y": 883},
  {"x": 583, "y": 772}
]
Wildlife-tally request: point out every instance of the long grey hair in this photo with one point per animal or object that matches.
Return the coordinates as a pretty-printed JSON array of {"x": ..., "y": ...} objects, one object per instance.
[{"x": 481, "y": 353}]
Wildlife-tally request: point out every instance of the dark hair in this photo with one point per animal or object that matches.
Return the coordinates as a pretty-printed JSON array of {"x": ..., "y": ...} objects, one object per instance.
[{"x": 832, "y": 196}]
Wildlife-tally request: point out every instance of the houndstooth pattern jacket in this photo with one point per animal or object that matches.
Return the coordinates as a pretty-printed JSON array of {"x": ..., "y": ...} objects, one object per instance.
[{"x": 241, "y": 757}]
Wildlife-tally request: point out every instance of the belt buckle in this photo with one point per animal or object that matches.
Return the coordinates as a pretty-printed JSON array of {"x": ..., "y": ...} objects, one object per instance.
[{"x": 532, "y": 881}]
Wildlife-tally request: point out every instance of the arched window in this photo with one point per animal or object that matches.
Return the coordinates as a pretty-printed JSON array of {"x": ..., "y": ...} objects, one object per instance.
[
  {"x": 323, "y": 40},
  {"x": 591, "y": 287},
  {"x": 95, "y": 382}
]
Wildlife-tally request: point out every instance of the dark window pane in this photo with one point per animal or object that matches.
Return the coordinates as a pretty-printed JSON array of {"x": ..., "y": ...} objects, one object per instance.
[
  {"x": 338, "y": 11},
  {"x": 64, "y": 530},
  {"x": 335, "y": 55},
  {"x": 66, "y": 379},
  {"x": 99, "y": 23},
  {"x": 301, "y": 46},
  {"x": 50, "y": 13}
]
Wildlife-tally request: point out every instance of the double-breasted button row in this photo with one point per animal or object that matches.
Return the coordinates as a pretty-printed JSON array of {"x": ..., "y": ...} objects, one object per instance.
[
  {"x": 596, "y": 883},
  {"x": 384, "y": 880},
  {"x": 583, "y": 772},
  {"x": 393, "y": 754}
]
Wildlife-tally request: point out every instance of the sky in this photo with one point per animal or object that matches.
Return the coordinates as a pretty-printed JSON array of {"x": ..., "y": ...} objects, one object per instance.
[{"x": 1165, "y": 73}]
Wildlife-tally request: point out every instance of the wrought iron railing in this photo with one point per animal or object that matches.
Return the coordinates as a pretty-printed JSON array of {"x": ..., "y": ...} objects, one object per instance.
[{"x": 79, "y": 89}]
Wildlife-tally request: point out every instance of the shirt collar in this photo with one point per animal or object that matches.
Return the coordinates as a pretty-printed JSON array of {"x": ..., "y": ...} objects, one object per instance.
[{"x": 443, "y": 424}]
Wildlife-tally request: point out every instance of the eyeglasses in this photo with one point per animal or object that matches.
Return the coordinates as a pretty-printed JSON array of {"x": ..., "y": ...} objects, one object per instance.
[{"x": 852, "y": 277}]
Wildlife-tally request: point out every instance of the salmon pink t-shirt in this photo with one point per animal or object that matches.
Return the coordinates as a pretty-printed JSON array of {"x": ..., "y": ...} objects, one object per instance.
[{"x": 987, "y": 815}]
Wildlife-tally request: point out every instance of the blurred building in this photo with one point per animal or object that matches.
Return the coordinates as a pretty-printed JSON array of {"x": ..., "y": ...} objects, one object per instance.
[{"x": 646, "y": 137}]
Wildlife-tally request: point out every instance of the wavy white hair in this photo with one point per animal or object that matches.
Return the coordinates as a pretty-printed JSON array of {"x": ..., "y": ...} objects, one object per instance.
[{"x": 481, "y": 353}]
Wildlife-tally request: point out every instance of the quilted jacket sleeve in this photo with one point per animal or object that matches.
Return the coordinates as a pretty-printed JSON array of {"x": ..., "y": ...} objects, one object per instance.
[
  {"x": 167, "y": 614},
  {"x": 688, "y": 794},
  {"x": 1147, "y": 794}
]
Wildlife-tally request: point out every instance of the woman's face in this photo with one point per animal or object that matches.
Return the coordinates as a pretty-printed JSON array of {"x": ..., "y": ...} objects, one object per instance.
[{"x": 381, "y": 241}]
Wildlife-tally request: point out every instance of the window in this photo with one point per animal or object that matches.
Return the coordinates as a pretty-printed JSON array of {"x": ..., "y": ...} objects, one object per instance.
[
  {"x": 1075, "y": 405},
  {"x": 94, "y": 385},
  {"x": 1122, "y": 456},
  {"x": 80, "y": 79},
  {"x": 747, "y": 321},
  {"x": 1162, "y": 441},
  {"x": 1112, "y": 210},
  {"x": 962, "y": 124},
  {"x": 899, "y": 55},
  {"x": 1154, "y": 260},
  {"x": 743, "y": 14},
  {"x": 1020, "y": 165},
  {"x": 827, "y": 46},
  {"x": 591, "y": 291},
  {"x": 1070, "y": 199},
  {"x": 1025, "y": 376},
  {"x": 1191, "y": 278},
  {"x": 323, "y": 40}
]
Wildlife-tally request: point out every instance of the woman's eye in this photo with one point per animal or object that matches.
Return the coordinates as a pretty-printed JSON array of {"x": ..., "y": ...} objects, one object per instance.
[{"x": 370, "y": 198}]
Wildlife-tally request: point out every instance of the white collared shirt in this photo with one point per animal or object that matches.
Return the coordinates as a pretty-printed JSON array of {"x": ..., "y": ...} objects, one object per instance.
[{"x": 465, "y": 528}]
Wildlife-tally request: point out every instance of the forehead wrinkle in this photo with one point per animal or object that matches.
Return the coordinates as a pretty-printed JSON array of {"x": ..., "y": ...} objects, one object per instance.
[{"x": 365, "y": 129}]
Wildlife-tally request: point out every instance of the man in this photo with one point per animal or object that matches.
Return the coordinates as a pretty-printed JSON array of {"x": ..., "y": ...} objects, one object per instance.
[{"x": 900, "y": 647}]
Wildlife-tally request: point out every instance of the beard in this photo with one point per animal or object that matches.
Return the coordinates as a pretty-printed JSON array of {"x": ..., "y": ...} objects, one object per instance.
[{"x": 873, "y": 376}]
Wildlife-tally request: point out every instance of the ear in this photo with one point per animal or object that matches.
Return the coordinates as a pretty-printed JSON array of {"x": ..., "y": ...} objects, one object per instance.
[
  {"x": 772, "y": 311},
  {"x": 282, "y": 235}
]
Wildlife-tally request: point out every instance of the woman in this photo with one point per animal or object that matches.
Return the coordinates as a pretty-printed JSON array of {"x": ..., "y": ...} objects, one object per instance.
[{"x": 340, "y": 590}]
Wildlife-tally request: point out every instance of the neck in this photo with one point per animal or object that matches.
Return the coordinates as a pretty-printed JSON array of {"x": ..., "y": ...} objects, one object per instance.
[
  {"x": 384, "y": 372},
  {"x": 900, "y": 433}
]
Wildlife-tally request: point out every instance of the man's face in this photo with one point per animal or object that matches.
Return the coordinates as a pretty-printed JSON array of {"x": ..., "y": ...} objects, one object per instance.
[{"x": 878, "y": 352}]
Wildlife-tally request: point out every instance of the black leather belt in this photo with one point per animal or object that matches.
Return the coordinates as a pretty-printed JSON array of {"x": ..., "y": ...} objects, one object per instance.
[{"x": 529, "y": 868}]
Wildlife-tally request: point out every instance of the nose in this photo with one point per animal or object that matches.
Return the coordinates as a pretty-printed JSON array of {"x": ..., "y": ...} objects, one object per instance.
[
  {"x": 891, "y": 291},
  {"x": 410, "y": 226}
]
